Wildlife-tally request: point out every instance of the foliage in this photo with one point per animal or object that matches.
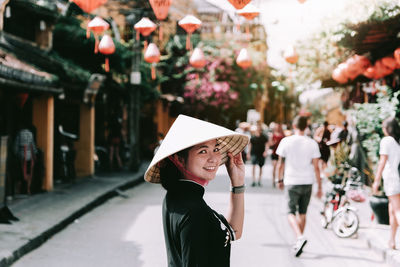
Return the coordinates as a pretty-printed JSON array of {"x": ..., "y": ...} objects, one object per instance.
[{"x": 368, "y": 118}]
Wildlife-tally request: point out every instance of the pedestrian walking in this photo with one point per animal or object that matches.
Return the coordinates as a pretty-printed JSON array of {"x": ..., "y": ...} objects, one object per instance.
[
  {"x": 276, "y": 137},
  {"x": 297, "y": 167},
  {"x": 388, "y": 168},
  {"x": 25, "y": 151},
  {"x": 258, "y": 148},
  {"x": 323, "y": 135},
  {"x": 188, "y": 158},
  {"x": 114, "y": 142}
]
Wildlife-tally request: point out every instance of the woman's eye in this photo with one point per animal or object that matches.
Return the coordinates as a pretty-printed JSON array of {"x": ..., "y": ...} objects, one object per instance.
[
  {"x": 216, "y": 149},
  {"x": 202, "y": 152}
]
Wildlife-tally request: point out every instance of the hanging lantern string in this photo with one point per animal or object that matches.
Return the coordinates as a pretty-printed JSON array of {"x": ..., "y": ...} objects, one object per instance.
[
  {"x": 87, "y": 29},
  {"x": 137, "y": 35},
  {"x": 248, "y": 32},
  {"x": 188, "y": 36},
  {"x": 160, "y": 32},
  {"x": 96, "y": 44}
]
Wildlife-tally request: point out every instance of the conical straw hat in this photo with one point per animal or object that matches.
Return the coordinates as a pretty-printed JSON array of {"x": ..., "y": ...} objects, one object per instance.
[{"x": 187, "y": 132}]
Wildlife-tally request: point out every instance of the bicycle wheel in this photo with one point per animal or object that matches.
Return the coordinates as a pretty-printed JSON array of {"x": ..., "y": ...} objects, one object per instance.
[{"x": 345, "y": 223}]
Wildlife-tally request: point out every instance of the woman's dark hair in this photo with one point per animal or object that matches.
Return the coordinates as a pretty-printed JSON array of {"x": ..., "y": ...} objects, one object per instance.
[
  {"x": 392, "y": 127},
  {"x": 169, "y": 173}
]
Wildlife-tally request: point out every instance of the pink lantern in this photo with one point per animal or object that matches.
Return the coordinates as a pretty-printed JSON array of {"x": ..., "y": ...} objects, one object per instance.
[
  {"x": 160, "y": 8},
  {"x": 106, "y": 47},
  {"x": 152, "y": 55},
  {"x": 97, "y": 26},
  {"x": 197, "y": 59},
  {"x": 249, "y": 12},
  {"x": 301, "y": 1},
  {"x": 144, "y": 27},
  {"x": 189, "y": 23},
  {"x": 243, "y": 59},
  {"x": 239, "y": 4}
]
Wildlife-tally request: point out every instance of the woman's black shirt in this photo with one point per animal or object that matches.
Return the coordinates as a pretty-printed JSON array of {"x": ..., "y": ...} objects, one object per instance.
[{"x": 195, "y": 235}]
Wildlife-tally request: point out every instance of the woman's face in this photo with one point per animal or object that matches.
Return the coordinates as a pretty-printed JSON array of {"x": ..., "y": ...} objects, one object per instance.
[{"x": 204, "y": 159}]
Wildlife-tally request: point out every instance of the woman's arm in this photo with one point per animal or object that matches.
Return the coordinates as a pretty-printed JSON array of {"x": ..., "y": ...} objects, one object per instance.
[
  {"x": 378, "y": 176},
  {"x": 235, "y": 217}
]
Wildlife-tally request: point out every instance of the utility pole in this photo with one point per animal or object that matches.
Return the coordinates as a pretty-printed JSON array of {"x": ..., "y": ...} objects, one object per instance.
[{"x": 134, "y": 99}]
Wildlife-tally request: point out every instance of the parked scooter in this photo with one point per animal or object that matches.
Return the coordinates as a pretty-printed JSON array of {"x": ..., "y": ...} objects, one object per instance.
[{"x": 67, "y": 155}]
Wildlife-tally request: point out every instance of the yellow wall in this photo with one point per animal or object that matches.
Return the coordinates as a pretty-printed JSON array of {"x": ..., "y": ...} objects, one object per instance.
[
  {"x": 84, "y": 162},
  {"x": 43, "y": 119}
]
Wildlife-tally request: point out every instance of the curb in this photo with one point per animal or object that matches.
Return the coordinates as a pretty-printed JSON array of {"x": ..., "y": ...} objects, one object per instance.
[
  {"x": 391, "y": 257},
  {"x": 9, "y": 257}
]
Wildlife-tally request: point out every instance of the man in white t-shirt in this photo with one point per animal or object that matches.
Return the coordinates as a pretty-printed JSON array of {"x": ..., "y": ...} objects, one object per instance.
[{"x": 298, "y": 161}]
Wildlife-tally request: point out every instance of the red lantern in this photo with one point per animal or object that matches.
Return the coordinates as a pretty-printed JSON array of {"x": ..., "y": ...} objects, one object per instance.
[
  {"x": 249, "y": 12},
  {"x": 189, "y": 23},
  {"x": 197, "y": 59},
  {"x": 144, "y": 27},
  {"x": 291, "y": 55},
  {"x": 243, "y": 59},
  {"x": 339, "y": 74},
  {"x": 239, "y": 4},
  {"x": 389, "y": 62},
  {"x": 352, "y": 68},
  {"x": 160, "y": 8},
  {"x": 97, "y": 26},
  {"x": 152, "y": 55},
  {"x": 381, "y": 69},
  {"x": 21, "y": 99},
  {"x": 370, "y": 72},
  {"x": 396, "y": 55},
  {"x": 89, "y": 5},
  {"x": 107, "y": 47}
]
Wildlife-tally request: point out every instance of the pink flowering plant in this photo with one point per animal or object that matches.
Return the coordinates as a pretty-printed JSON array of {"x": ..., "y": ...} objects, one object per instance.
[{"x": 222, "y": 91}]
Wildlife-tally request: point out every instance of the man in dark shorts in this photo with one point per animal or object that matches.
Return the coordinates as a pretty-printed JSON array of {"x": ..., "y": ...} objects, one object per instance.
[
  {"x": 298, "y": 161},
  {"x": 258, "y": 148}
]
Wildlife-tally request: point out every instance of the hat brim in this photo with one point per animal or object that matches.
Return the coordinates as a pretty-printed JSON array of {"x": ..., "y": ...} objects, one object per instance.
[{"x": 229, "y": 141}]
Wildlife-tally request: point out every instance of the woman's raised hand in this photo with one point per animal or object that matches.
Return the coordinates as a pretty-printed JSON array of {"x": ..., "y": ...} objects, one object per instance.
[{"x": 235, "y": 167}]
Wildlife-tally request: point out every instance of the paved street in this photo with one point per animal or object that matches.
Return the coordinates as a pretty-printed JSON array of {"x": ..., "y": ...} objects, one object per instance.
[{"x": 127, "y": 231}]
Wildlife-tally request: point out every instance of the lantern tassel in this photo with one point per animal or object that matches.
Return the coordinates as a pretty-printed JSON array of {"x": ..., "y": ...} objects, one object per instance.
[
  {"x": 238, "y": 26},
  {"x": 96, "y": 44},
  {"x": 145, "y": 45},
  {"x": 248, "y": 32},
  {"x": 137, "y": 36},
  {"x": 87, "y": 29},
  {"x": 188, "y": 41},
  {"x": 153, "y": 71},
  {"x": 107, "y": 65}
]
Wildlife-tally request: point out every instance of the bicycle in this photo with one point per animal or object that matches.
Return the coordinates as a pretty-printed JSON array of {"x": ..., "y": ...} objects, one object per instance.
[{"x": 337, "y": 210}]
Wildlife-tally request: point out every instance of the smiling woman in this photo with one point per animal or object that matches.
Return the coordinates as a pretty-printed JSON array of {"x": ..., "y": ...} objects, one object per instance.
[{"x": 188, "y": 158}]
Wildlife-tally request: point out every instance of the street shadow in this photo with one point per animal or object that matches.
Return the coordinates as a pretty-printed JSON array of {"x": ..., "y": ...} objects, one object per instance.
[
  {"x": 275, "y": 245},
  {"x": 313, "y": 256}
]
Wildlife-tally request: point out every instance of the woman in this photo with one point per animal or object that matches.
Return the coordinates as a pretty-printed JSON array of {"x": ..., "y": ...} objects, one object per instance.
[
  {"x": 388, "y": 169},
  {"x": 277, "y": 136},
  {"x": 323, "y": 135},
  {"x": 186, "y": 161}
]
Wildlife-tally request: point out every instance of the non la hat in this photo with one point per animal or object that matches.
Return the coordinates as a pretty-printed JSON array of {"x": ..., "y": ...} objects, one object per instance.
[{"x": 186, "y": 132}]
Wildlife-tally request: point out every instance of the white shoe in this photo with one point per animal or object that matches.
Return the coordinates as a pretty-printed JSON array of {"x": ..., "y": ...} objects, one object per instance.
[{"x": 298, "y": 247}]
